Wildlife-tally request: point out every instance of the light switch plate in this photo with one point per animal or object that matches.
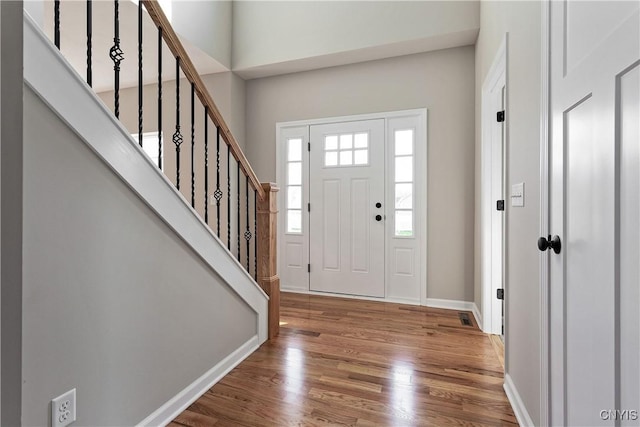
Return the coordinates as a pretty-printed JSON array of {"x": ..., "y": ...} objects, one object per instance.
[{"x": 517, "y": 195}]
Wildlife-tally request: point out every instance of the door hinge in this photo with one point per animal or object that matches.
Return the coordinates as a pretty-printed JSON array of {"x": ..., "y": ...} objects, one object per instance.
[
  {"x": 500, "y": 205},
  {"x": 500, "y": 294},
  {"x": 308, "y": 146},
  {"x": 500, "y": 116},
  {"x": 308, "y": 268},
  {"x": 308, "y": 207}
]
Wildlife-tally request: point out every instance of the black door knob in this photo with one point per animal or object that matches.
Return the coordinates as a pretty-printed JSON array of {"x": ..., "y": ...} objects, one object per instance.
[
  {"x": 378, "y": 205},
  {"x": 378, "y": 217},
  {"x": 550, "y": 242}
]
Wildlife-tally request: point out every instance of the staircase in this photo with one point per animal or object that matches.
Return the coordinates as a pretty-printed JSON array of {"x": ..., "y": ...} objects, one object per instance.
[{"x": 146, "y": 280}]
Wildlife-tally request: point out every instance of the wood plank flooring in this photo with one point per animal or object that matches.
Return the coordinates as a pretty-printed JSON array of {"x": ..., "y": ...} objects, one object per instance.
[{"x": 359, "y": 363}]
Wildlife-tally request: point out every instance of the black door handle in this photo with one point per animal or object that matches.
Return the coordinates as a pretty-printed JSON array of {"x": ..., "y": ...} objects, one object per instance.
[
  {"x": 550, "y": 242},
  {"x": 378, "y": 217}
]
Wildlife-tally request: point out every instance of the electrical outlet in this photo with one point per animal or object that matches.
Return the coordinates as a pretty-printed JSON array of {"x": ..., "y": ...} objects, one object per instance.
[{"x": 63, "y": 409}]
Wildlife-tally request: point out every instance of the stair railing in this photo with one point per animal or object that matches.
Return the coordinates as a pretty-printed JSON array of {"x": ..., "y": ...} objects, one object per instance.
[{"x": 257, "y": 225}]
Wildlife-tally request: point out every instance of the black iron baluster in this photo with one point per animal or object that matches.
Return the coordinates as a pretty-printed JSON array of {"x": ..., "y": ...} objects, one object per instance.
[
  {"x": 56, "y": 23},
  {"x": 206, "y": 164},
  {"x": 228, "y": 198},
  {"x": 218, "y": 193},
  {"x": 193, "y": 145},
  {"x": 89, "y": 36},
  {"x": 238, "y": 210},
  {"x": 160, "y": 98},
  {"x": 140, "y": 73},
  {"x": 255, "y": 234},
  {"x": 117, "y": 56},
  {"x": 177, "y": 136},
  {"x": 247, "y": 233}
]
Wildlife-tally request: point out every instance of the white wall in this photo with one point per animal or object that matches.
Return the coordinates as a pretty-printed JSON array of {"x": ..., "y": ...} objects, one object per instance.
[
  {"x": 522, "y": 21},
  {"x": 441, "y": 81},
  {"x": 206, "y": 24},
  {"x": 115, "y": 303},
  {"x": 279, "y": 32}
]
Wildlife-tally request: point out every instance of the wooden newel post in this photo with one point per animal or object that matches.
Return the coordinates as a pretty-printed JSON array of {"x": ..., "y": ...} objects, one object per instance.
[{"x": 267, "y": 254}]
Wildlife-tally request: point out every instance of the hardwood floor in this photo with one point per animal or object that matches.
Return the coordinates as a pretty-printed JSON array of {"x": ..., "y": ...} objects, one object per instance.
[{"x": 359, "y": 363}]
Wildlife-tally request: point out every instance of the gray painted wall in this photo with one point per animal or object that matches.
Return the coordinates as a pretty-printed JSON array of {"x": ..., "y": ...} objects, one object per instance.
[
  {"x": 206, "y": 24},
  {"x": 522, "y": 21},
  {"x": 443, "y": 82},
  {"x": 11, "y": 209},
  {"x": 115, "y": 303},
  {"x": 269, "y": 32}
]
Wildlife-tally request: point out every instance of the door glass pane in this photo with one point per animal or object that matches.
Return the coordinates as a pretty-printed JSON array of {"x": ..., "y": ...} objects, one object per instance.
[
  {"x": 404, "y": 196},
  {"x": 404, "y": 223},
  {"x": 404, "y": 169},
  {"x": 361, "y": 157},
  {"x": 404, "y": 142},
  {"x": 294, "y": 221},
  {"x": 331, "y": 142},
  {"x": 361, "y": 140},
  {"x": 346, "y": 158},
  {"x": 331, "y": 158},
  {"x": 295, "y": 174},
  {"x": 346, "y": 141},
  {"x": 295, "y": 150},
  {"x": 294, "y": 197}
]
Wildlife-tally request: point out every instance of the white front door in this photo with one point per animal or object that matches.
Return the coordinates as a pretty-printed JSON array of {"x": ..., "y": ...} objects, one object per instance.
[
  {"x": 594, "y": 212},
  {"x": 347, "y": 215}
]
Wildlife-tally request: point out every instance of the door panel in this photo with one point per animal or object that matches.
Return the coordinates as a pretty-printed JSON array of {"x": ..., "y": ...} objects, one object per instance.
[
  {"x": 347, "y": 175},
  {"x": 594, "y": 330}
]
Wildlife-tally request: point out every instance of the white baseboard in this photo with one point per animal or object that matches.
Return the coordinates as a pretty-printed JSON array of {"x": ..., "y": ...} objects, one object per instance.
[
  {"x": 450, "y": 304},
  {"x": 477, "y": 315},
  {"x": 523, "y": 417},
  {"x": 331, "y": 294},
  {"x": 181, "y": 401}
]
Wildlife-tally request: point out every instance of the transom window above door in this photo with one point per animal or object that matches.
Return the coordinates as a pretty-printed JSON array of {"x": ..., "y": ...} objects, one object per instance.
[{"x": 346, "y": 149}]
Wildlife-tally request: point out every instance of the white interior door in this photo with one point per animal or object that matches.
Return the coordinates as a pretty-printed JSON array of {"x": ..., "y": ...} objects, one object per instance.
[
  {"x": 594, "y": 210},
  {"x": 347, "y": 216}
]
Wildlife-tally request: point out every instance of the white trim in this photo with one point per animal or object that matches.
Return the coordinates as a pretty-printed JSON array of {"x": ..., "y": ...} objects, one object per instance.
[
  {"x": 544, "y": 216},
  {"x": 519, "y": 409},
  {"x": 65, "y": 92},
  {"x": 351, "y": 118},
  {"x": 451, "y": 304},
  {"x": 347, "y": 296},
  {"x": 477, "y": 315},
  {"x": 181, "y": 401},
  {"x": 498, "y": 71}
]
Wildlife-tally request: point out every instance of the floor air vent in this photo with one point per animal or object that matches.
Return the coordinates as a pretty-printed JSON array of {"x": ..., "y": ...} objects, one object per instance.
[{"x": 464, "y": 319}]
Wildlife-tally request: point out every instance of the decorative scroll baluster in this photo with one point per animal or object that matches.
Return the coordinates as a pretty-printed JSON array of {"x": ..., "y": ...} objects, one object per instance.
[
  {"x": 89, "y": 36},
  {"x": 160, "y": 98},
  {"x": 193, "y": 147},
  {"x": 228, "y": 198},
  {"x": 140, "y": 73},
  {"x": 117, "y": 56},
  {"x": 177, "y": 136},
  {"x": 206, "y": 164},
  {"x": 255, "y": 235},
  {"x": 238, "y": 210},
  {"x": 218, "y": 193},
  {"x": 247, "y": 233},
  {"x": 56, "y": 23}
]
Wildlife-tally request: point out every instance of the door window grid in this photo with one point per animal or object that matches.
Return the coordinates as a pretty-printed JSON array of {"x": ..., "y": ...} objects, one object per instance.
[
  {"x": 403, "y": 182},
  {"x": 347, "y": 149},
  {"x": 294, "y": 186}
]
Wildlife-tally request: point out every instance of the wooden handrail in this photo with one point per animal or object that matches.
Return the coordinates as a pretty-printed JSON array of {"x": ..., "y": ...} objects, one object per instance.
[{"x": 189, "y": 70}]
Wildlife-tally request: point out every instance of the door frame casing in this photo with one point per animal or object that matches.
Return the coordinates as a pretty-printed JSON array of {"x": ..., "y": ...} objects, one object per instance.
[
  {"x": 421, "y": 203},
  {"x": 491, "y": 309}
]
